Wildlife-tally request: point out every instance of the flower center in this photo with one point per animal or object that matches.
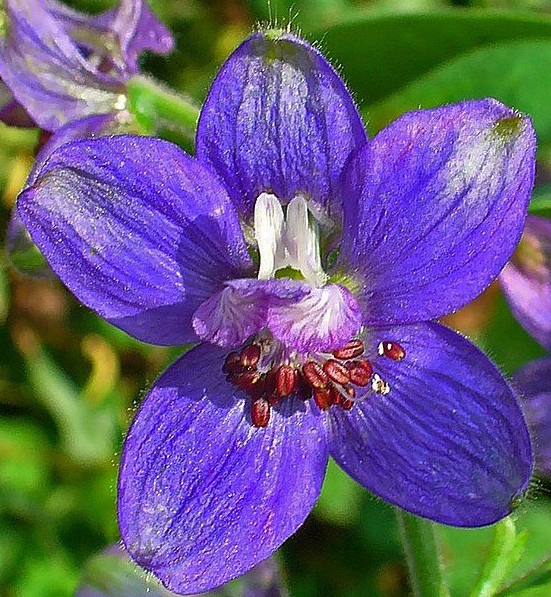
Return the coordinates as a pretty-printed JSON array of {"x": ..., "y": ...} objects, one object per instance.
[
  {"x": 287, "y": 240},
  {"x": 269, "y": 373}
]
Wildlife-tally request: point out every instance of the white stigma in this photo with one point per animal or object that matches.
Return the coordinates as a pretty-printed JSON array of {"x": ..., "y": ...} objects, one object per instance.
[{"x": 287, "y": 241}]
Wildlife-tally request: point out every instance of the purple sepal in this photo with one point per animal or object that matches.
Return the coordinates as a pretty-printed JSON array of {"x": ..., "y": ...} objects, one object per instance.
[
  {"x": 139, "y": 231},
  {"x": 534, "y": 383},
  {"x": 441, "y": 198},
  {"x": 448, "y": 441},
  {"x": 526, "y": 280},
  {"x": 62, "y": 66},
  {"x": 203, "y": 494},
  {"x": 278, "y": 119}
]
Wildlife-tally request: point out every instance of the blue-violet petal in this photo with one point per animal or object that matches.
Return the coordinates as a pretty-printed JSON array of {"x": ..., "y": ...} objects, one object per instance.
[
  {"x": 448, "y": 441},
  {"x": 203, "y": 494}
]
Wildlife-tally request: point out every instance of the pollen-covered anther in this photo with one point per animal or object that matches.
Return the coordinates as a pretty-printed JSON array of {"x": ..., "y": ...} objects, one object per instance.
[
  {"x": 379, "y": 385},
  {"x": 352, "y": 350},
  {"x": 315, "y": 375},
  {"x": 285, "y": 380},
  {"x": 250, "y": 355},
  {"x": 336, "y": 371},
  {"x": 323, "y": 397},
  {"x": 260, "y": 412},
  {"x": 360, "y": 372},
  {"x": 392, "y": 350}
]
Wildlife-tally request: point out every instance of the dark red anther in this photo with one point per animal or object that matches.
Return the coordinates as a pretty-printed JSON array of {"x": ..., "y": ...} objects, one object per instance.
[
  {"x": 323, "y": 398},
  {"x": 285, "y": 380},
  {"x": 232, "y": 363},
  {"x": 336, "y": 371},
  {"x": 391, "y": 350},
  {"x": 250, "y": 355},
  {"x": 315, "y": 375},
  {"x": 360, "y": 372},
  {"x": 260, "y": 412},
  {"x": 246, "y": 380},
  {"x": 350, "y": 351},
  {"x": 273, "y": 400}
]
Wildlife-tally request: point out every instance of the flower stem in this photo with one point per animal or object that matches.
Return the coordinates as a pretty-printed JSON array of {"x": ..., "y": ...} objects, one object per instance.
[
  {"x": 422, "y": 556},
  {"x": 158, "y": 108}
]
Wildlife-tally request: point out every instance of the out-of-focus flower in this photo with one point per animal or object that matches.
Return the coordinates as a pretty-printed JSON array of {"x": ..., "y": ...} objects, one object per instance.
[
  {"x": 526, "y": 280},
  {"x": 113, "y": 574},
  {"x": 309, "y": 262},
  {"x": 61, "y": 65},
  {"x": 534, "y": 381}
]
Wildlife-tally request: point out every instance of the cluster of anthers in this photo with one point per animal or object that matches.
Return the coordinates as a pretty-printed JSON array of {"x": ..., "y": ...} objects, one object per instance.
[{"x": 268, "y": 375}]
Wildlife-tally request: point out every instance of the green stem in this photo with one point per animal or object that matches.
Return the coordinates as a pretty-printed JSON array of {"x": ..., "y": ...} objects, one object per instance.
[
  {"x": 505, "y": 551},
  {"x": 157, "y": 107},
  {"x": 422, "y": 556}
]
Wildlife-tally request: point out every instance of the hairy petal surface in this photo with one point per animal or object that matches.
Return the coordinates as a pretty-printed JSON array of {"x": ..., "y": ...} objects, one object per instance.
[
  {"x": 441, "y": 198},
  {"x": 526, "y": 280},
  {"x": 534, "y": 383},
  {"x": 448, "y": 442},
  {"x": 278, "y": 119},
  {"x": 203, "y": 494},
  {"x": 139, "y": 231}
]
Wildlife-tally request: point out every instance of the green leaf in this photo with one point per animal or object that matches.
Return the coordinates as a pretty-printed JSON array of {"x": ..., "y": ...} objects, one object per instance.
[
  {"x": 340, "y": 497},
  {"x": 379, "y": 53},
  {"x": 510, "y": 72},
  {"x": 88, "y": 434}
]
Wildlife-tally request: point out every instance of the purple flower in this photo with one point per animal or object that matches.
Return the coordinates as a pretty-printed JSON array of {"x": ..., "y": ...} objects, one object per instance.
[
  {"x": 534, "y": 381},
  {"x": 61, "y": 65},
  {"x": 526, "y": 280},
  {"x": 309, "y": 261}
]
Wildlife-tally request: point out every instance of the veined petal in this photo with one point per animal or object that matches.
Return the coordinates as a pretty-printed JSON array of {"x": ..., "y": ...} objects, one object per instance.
[
  {"x": 534, "y": 383},
  {"x": 441, "y": 198},
  {"x": 448, "y": 441},
  {"x": 139, "y": 231},
  {"x": 526, "y": 280},
  {"x": 278, "y": 119},
  {"x": 18, "y": 241},
  {"x": 203, "y": 494}
]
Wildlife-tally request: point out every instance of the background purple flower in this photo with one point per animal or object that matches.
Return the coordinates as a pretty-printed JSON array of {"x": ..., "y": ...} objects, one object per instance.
[
  {"x": 526, "y": 280},
  {"x": 320, "y": 342},
  {"x": 61, "y": 65},
  {"x": 534, "y": 381}
]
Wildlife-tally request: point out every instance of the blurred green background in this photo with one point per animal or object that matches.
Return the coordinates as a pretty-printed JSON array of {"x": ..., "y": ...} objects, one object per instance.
[{"x": 69, "y": 383}]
